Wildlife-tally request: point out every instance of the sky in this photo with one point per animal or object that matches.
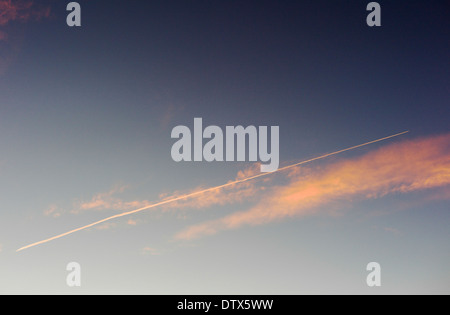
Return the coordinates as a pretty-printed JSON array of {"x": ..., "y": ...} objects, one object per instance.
[{"x": 86, "y": 115}]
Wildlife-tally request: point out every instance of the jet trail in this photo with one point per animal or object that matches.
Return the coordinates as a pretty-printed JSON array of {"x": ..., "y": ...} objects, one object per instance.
[{"x": 205, "y": 191}]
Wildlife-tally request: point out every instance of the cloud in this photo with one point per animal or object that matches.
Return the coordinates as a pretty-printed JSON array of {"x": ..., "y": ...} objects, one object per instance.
[
  {"x": 233, "y": 192},
  {"x": 150, "y": 251},
  {"x": 241, "y": 179},
  {"x": 103, "y": 201},
  {"x": 106, "y": 226},
  {"x": 109, "y": 201},
  {"x": 22, "y": 11},
  {"x": 398, "y": 168},
  {"x": 132, "y": 222},
  {"x": 12, "y": 11},
  {"x": 294, "y": 191},
  {"x": 53, "y": 210}
]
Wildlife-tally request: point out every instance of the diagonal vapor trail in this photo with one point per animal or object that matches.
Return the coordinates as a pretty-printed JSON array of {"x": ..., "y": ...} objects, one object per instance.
[{"x": 205, "y": 191}]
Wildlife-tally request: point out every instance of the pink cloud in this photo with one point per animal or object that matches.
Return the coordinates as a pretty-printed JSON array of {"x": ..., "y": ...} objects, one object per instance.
[
  {"x": 21, "y": 10},
  {"x": 398, "y": 168},
  {"x": 150, "y": 251},
  {"x": 12, "y": 11}
]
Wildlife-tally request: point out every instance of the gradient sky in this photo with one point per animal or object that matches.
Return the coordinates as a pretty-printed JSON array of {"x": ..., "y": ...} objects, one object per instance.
[{"x": 85, "y": 120}]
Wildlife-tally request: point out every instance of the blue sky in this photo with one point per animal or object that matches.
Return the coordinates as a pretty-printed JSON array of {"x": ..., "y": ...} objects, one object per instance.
[{"x": 86, "y": 116}]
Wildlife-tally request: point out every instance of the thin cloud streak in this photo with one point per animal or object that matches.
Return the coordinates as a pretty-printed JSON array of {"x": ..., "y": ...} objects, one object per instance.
[
  {"x": 198, "y": 193},
  {"x": 399, "y": 168}
]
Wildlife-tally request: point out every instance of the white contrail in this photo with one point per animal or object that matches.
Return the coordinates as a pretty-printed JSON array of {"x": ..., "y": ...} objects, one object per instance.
[{"x": 205, "y": 191}]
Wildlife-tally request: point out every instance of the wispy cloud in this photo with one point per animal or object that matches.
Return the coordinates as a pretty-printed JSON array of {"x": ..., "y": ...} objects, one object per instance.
[
  {"x": 399, "y": 168},
  {"x": 11, "y": 12},
  {"x": 112, "y": 200},
  {"x": 199, "y": 193},
  {"x": 150, "y": 251},
  {"x": 132, "y": 222},
  {"x": 53, "y": 211},
  {"x": 103, "y": 201},
  {"x": 234, "y": 191},
  {"x": 109, "y": 201},
  {"x": 22, "y": 11},
  {"x": 106, "y": 226}
]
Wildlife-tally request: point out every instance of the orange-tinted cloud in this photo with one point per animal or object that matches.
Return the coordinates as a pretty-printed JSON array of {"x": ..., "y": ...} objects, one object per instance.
[
  {"x": 53, "y": 211},
  {"x": 103, "y": 201},
  {"x": 403, "y": 167},
  {"x": 235, "y": 192},
  {"x": 399, "y": 168},
  {"x": 132, "y": 222},
  {"x": 109, "y": 201}
]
